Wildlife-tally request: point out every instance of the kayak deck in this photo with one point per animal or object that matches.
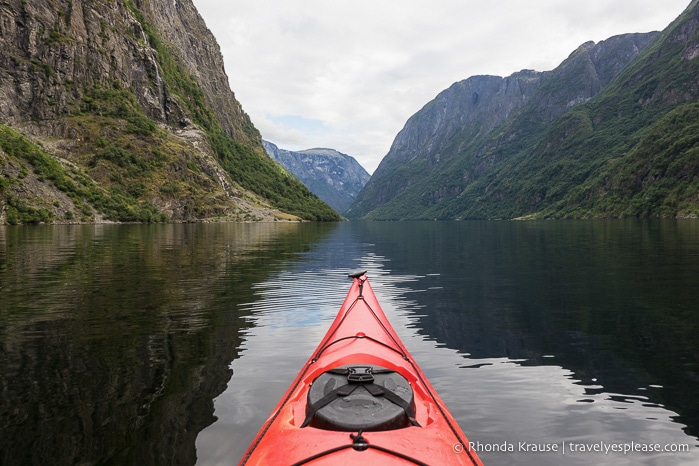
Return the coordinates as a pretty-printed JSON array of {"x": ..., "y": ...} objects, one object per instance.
[{"x": 361, "y": 344}]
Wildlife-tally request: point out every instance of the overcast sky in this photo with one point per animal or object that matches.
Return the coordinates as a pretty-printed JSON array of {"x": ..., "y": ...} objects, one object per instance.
[{"x": 348, "y": 74}]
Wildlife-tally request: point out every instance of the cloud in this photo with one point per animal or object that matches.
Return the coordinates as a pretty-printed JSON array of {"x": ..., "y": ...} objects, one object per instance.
[
  {"x": 294, "y": 130},
  {"x": 348, "y": 75}
]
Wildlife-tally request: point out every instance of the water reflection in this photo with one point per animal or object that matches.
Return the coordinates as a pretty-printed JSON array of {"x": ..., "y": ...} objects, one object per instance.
[
  {"x": 170, "y": 344},
  {"x": 531, "y": 332},
  {"x": 608, "y": 307},
  {"x": 115, "y": 339}
]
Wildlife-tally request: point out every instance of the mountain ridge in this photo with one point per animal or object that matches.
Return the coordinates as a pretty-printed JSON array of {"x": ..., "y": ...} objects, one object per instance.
[
  {"x": 334, "y": 177},
  {"x": 464, "y": 173}
]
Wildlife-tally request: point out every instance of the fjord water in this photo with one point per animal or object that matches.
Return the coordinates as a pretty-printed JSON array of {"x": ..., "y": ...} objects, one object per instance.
[{"x": 170, "y": 344}]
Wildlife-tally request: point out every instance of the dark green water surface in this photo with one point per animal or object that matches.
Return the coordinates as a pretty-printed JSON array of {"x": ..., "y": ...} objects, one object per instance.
[{"x": 170, "y": 344}]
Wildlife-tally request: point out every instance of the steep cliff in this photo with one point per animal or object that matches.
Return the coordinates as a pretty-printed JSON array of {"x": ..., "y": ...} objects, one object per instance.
[
  {"x": 467, "y": 111},
  {"x": 492, "y": 147},
  {"x": 334, "y": 177},
  {"x": 122, "y": 111}
]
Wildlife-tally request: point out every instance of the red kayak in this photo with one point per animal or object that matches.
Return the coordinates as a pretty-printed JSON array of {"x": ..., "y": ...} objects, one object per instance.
[{"x": 360, "y": 399}]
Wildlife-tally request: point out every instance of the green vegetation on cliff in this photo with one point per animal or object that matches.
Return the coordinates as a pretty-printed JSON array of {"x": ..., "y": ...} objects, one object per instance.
[
  {"x": 117, "y": 202},
  {"x": 248, "y": 166},
  {"x": 658, "y": 177}
]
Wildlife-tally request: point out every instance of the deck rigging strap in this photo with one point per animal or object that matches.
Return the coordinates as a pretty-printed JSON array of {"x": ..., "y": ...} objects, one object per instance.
[
  {"x": 327, "y": 343},
  {"x": 359, "y": 443},
  {"x": 357, "y": 337}
]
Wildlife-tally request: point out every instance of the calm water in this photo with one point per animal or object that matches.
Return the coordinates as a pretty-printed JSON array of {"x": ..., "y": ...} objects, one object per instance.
[{"x": 170, "y": 344}]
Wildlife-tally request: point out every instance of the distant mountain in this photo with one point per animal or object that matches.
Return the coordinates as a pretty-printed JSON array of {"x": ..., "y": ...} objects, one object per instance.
[
  {"x": 334, "y": 177},
  {"x": 611, "y": 132}
]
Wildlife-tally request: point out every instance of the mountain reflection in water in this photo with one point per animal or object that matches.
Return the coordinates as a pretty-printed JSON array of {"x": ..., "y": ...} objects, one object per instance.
[
  {"x": 115, "y": 339},
  {"x": 170, "y": 344}
]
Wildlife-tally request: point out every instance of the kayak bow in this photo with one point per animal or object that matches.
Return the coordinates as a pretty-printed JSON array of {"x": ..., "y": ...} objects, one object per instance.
[{"x": 360, "y": 398}]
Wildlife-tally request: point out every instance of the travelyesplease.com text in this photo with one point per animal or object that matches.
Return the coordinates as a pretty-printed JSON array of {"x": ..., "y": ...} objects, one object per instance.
[{"x": 571, "y": 447}]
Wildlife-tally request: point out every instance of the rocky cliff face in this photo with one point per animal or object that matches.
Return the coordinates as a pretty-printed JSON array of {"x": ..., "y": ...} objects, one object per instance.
[
  {"x": 54, "y": 52},
  {"x": 334, "y": 177},
  {"x": 468, "y": 109},
  {"x": 483, "y": 125},
  {"x": 127, "y": 113},
  {"x": 180, "y": 24}
]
